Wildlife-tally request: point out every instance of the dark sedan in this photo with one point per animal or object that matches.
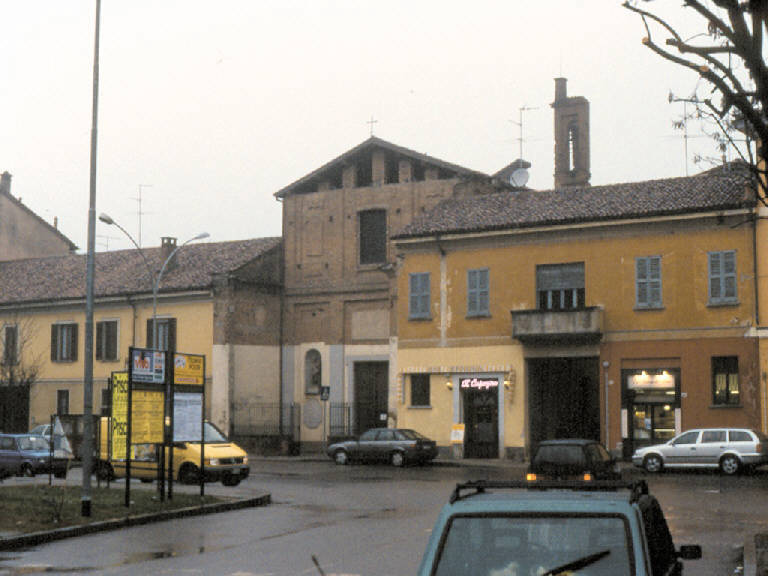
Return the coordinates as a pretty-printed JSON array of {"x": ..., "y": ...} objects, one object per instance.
[
  {"x": 29, "y": 454},
  {"x": 572, "y": 459},
  {"x": 394, "y": 445}
]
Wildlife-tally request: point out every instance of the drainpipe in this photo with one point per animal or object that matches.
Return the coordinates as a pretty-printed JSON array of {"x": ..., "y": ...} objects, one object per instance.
[{"x": 606, "y": 364}]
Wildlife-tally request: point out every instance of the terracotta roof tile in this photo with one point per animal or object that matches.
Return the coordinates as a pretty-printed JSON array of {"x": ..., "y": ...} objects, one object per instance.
[
  {"x": 712, "y": 190},
  {"x": 124, "y": 272}
]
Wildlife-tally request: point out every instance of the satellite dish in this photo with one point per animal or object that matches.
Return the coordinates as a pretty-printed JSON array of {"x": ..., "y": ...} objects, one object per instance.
[{"x": 519, "y": 177}]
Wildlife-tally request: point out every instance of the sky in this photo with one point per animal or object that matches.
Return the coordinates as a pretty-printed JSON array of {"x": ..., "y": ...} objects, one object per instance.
[{"x": 206, "y": 108}]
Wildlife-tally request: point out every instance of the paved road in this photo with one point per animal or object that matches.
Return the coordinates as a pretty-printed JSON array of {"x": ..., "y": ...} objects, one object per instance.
[{"x": 366, "y": 520}]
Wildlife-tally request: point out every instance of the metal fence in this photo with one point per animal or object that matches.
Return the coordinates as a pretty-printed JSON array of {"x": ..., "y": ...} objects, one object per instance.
[
  {"x": 339, "y": 420},
  {"x": 268, "y": 419}
]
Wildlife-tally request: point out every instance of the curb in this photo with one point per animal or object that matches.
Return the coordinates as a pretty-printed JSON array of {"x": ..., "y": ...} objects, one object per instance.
[{"x": 35, "y": 538}]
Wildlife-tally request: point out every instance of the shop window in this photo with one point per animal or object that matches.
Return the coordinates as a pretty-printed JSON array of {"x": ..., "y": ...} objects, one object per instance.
[
  {"x": 10, "y": 344},
  {"x": 725, "y": 380},
  {"x": 106, "y": 340},
  {"x": 648, "y": 282},
  {"x": 418, "y": 297},
  {"x": 420, "y": 390},
  {"x": 560, "y": 286},
  {"x": 722, "y": 277},
  {"x": 478, "y": 292},
  {"x": 373, "y": 236},
  {"x": 64, "y": 342},
  {"x": 313, "y": 372}
]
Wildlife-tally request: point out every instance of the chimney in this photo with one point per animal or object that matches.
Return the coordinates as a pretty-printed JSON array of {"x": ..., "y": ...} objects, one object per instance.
[
  {"x": 5, "y": 182},
  {"x": 571, "y": 137},
  {"x": 166, "y": 249}
]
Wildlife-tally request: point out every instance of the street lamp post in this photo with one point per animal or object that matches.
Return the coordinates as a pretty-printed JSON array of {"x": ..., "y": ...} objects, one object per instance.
[{"x": 155, "y": 279}]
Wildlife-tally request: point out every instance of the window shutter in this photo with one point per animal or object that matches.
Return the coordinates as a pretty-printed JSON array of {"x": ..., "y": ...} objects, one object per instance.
[
  {"x": 73, "y": 342},
  {"x": 54, "y": 342},
  {"x": 171, "y": 334},
  {"x": 100, "y": 341},
  {"x": 110, "y": 344}
]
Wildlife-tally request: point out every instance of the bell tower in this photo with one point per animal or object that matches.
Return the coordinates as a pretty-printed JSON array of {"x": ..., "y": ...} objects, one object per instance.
[{"x": 571, "y": 137}]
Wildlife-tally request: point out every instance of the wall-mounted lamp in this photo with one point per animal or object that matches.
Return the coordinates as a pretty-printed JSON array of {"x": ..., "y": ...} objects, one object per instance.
[
  {"x": 507, "y": 384},
  {"x": 448, "y": 383}
]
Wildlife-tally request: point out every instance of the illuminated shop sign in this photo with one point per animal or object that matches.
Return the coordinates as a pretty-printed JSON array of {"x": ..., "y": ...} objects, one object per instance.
[
  {"x": 645, "y": 380},
  {"x": 479, "y": 383}
]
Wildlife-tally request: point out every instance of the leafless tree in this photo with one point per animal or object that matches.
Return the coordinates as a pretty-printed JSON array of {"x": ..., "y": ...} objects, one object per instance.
[
  {"x": 728, "y": 55},
  {"x": 19, "y": 363}
]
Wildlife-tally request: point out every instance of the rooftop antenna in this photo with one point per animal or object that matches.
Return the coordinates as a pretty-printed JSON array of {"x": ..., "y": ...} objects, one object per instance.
[
  {"x": 370, "y": 123},
  {"x": 520, "y": 123},
  {"x": 139, "y": 213},
  {"x": 104, "y": 240}
]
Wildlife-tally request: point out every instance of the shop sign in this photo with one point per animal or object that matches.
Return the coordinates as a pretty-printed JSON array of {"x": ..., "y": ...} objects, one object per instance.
[
  {"x": 479, "y": 383},
  {"x": 651, "y": 381}
]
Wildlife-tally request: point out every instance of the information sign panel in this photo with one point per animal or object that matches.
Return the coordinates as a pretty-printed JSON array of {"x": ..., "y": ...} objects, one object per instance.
[
  {"x": 147, "y": 366},
  {"x": 188, "y": 369},
  {"x": 147, "y": 416},
  {"x": 187, "y": 416},
  {"x": 119, "y": 420}
]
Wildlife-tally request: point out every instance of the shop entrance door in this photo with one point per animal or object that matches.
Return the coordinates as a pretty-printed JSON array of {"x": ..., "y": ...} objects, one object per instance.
[
  {"x": 481, "y": 419},
  {"x": 371, "y": 395},
  {"x": 652, "y": 424}
]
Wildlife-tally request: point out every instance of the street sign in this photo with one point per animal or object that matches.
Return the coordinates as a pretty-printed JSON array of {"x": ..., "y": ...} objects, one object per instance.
[{"x": 325, "y": 393}]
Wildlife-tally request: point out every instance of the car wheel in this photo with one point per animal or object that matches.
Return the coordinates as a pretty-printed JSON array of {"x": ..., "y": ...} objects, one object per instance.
[
  {"x": 397, "y": 459},
  {"x": 341, "y": 457},
  {"x": 230, "y": 480},
  {"x": 653, "y": 463},
  {"x": 26, "y": 470},
  {"x": 729, "y": 464},
  {"x": 146, "y": 480},
  {"x": 188, "y": 474}
]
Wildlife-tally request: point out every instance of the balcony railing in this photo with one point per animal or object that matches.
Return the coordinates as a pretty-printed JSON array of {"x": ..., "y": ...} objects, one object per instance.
[{"x": 582, "y": 326}]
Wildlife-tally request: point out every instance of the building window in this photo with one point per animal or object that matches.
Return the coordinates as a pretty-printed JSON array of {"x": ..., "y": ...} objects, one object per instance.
[
  {"x": 722, "y": 277},
  {"x": 62, "y": 402},
  {"x": 106, "y": 340},
  {"x": 10, "y": 343},
  {"x": 64, "y": 342},
  {"x": 166, "y": 334},
  {"x": 418, "y": 299},
  {"x": 313, "y": 372},
  {"x": 477, "y": 292},
  {"x": 725, "y": 380},
  {"x": 648, "y": 282},
  {"x": 373, "y": 236},
  {"x": 560, "y": 286},
  {"x": 419, "y": 389}
]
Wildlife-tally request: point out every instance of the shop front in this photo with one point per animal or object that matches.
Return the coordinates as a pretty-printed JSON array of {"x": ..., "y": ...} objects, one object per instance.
[
  {"x": 480, "y": 403},
  {"x": 650, "y": 407}
]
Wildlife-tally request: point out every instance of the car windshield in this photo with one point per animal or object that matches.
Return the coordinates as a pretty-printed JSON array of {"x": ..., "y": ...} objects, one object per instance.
[
  {"x": 521, "y": 545},
  {"x": 213, "y": 435},
  {"x": 567, "y": 454},
  {"x": 36, "y": 443},
  {"x": 412, "y": 435}
]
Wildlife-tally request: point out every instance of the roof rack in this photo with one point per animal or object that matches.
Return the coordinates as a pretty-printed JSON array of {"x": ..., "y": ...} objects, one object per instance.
[{"x": 637, "y": 488}]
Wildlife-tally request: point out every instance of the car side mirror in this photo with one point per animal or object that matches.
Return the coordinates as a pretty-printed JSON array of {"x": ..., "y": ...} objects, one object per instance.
[{"x": 689, "y": 552}]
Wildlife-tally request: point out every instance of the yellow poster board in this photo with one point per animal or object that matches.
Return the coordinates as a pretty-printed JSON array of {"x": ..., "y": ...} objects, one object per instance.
[
  {"x": 188, "y": 369},
  {"x": 147, "y": 413},
  {"x": 119, "y": 420}
]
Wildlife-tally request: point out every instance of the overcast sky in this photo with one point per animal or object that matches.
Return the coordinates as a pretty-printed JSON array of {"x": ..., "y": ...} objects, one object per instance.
[{"x": 208, "y": 107}]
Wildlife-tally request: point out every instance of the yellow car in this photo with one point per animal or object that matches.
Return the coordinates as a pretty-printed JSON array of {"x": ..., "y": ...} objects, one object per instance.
[{"x": 224, "y": 460}]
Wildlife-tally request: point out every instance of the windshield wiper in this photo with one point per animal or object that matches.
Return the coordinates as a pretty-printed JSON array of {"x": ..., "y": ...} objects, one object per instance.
[{"x": 578, "y": 564}]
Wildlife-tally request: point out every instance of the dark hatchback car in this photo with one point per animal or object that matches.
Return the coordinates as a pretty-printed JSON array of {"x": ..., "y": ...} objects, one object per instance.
[
  {"x": 29, "y": 454},
  {"x": 572, "y": 459},
  {"x": 394, "y": 445}
]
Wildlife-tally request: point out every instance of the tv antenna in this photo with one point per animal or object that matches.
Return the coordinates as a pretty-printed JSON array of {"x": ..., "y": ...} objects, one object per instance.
[
  {"x": 139, "y": 213},
  {"x": 520, "y": 124}
]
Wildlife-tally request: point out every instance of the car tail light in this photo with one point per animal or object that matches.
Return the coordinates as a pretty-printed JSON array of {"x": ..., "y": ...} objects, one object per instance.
[
  {"x": 530, "y": 477},
  {"x": 758, "y": 447},
  {"x": 587, "y": 477}
]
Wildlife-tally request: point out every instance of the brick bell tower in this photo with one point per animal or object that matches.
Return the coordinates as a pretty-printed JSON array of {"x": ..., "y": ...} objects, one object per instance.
[{"x": 571, "y": 137}]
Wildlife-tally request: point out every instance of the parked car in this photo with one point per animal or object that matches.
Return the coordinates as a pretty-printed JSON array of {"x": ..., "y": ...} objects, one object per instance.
[
  {"x": 513, "y": 528},
  {"x": 30, "y": 454},
  {"x": 729, "y": 449},
  {"x": 572, "y": 458},
  {"x": 394, "y": 445},
  {"x": 61, "y": 446},
  {"x": 225, "y": 461}
]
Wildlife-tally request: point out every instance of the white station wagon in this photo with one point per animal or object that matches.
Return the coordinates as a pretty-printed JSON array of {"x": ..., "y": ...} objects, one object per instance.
[{"x": 729, "y": 449}]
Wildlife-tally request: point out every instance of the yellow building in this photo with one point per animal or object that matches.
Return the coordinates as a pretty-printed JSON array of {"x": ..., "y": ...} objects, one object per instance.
[
  {"x": 622, "y": 312},
  {"x": 221, "y": 300}
]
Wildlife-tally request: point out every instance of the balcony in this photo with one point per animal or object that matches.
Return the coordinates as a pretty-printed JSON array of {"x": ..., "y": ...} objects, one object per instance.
[{"x": 570, "y": 327}]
